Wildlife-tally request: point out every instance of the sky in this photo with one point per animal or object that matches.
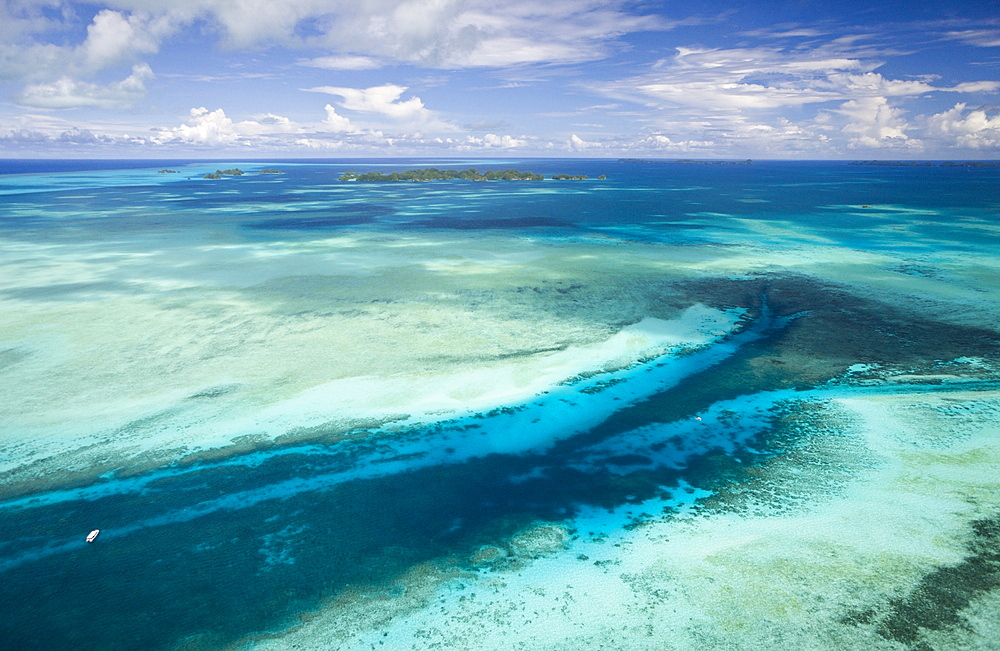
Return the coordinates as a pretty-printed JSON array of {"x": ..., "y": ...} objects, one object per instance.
[{"x": 797, "y": 79}]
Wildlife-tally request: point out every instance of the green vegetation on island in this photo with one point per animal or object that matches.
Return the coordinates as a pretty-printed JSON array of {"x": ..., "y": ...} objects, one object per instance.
[
  {"x": 168, "y": 172},
  {"x": 471, "y": 174},
  {"x": 434, "y": 174},
  {"x": 218, "y": 174},
  {"x": 270, "y": 170}
]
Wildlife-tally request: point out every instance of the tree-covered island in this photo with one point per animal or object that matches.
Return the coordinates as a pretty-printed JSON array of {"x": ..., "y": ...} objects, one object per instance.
[
  {"x": 218, "y": 174},
  {"x": 434, "y": 174}
]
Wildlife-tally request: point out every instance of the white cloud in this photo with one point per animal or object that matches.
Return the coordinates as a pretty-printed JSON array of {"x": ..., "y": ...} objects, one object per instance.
[
  {"x": 756, "y": 98},
  {"x": 251, "y": 22},
  {"x": 113, "y": 37},
  {"x": 765, "y": 78},
  {"x": 204, "y": 127},
  {"x": 660, "y": 142},
  {"x": 337, "y": 123},
  {"x": 385, "y": 102},
  {"x": 436, "y": 33},
  {"x": 216, "y": 128},
  {"x": 873, "y": 123},
  {"x": 976, "y": 87},
  {"x": 576, "y": 143},
  {"x": 66, "y": 92},
  {"x": 344, "y": 62},
  {"x": 494, "y": 141},
  {"x": 319, "y": 144},
  {"x": 872, "y": 84},
  {"x": 960, "y": 127},
  {"x": 980, "y": 37}
]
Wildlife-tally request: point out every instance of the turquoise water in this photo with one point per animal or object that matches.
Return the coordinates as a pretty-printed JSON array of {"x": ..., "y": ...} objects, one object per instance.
[{"x": 315, "y": 413}]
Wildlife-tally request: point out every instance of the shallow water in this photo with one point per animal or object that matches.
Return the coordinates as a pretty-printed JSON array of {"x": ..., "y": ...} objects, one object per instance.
[{"x": 686, "y": 406}]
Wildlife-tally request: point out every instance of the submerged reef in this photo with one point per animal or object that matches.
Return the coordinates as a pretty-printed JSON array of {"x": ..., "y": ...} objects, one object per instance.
[{"x": 686, "y": 408}]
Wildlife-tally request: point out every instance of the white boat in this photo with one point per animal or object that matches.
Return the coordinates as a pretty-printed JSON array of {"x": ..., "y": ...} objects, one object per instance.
[{"x": 92, "y": 535}]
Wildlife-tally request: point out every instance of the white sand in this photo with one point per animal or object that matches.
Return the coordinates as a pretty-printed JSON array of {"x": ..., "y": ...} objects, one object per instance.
[{"x": 156, "y": 349}]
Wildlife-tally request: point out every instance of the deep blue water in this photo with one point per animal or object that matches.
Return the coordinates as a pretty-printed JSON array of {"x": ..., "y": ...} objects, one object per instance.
[{"x": 207, "y": 553}]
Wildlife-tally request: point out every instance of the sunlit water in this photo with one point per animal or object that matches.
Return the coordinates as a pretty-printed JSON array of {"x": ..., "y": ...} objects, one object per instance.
[{"x": 687, "y": 406}]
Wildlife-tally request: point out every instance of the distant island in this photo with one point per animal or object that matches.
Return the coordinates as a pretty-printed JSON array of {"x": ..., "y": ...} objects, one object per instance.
[
  {"x": 168, "y": 172},
  {"x": 927, "y": 163},
  {"x": 218, "y": 174},
  {"x": 894, "y": 163},
  {"x": 270, "y": 170},
  {"x": 434, "y": 174},
  {"x": 686, "y": 161}
]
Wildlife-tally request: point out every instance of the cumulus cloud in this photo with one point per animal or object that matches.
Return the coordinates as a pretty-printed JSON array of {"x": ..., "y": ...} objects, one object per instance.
[
  {"x": 873, "y": 123},
  {"x": 65, "y": 92},
  {"x": 576, "y": 143},
  {"x": 204, "y": 127},
  {"x": 215, "y": 128},
  {"x": 494, "y": 141},
  {"x": 961, "y": 127},
  {"x": 336, "y": 122},
  {"x": 113, "y": 37}
]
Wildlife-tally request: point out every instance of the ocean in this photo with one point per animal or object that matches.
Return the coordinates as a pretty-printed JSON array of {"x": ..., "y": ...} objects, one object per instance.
[{"x": 672, "y": 405}]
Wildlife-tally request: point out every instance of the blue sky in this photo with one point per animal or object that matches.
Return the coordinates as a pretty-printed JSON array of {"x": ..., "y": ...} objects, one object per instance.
[{"x": 508, "y": 78}]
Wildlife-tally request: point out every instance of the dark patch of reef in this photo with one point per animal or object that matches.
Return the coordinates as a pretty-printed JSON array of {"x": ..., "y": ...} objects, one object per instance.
[{"x": 941, "y": 599}]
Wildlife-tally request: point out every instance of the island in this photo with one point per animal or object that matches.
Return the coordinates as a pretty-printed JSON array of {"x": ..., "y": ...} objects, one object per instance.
[
  {"x": 435, "y": 174},
  {"x": 927, "y": 163},
  {"x": 686, "y": 161},
  {"x": 971, "y": 163},
  {"x": 894, "y": 163},
  {"x": 168, "y": 172},
  {"x": 218, "y": 174},
  {"x": 270, "y": 170}
]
